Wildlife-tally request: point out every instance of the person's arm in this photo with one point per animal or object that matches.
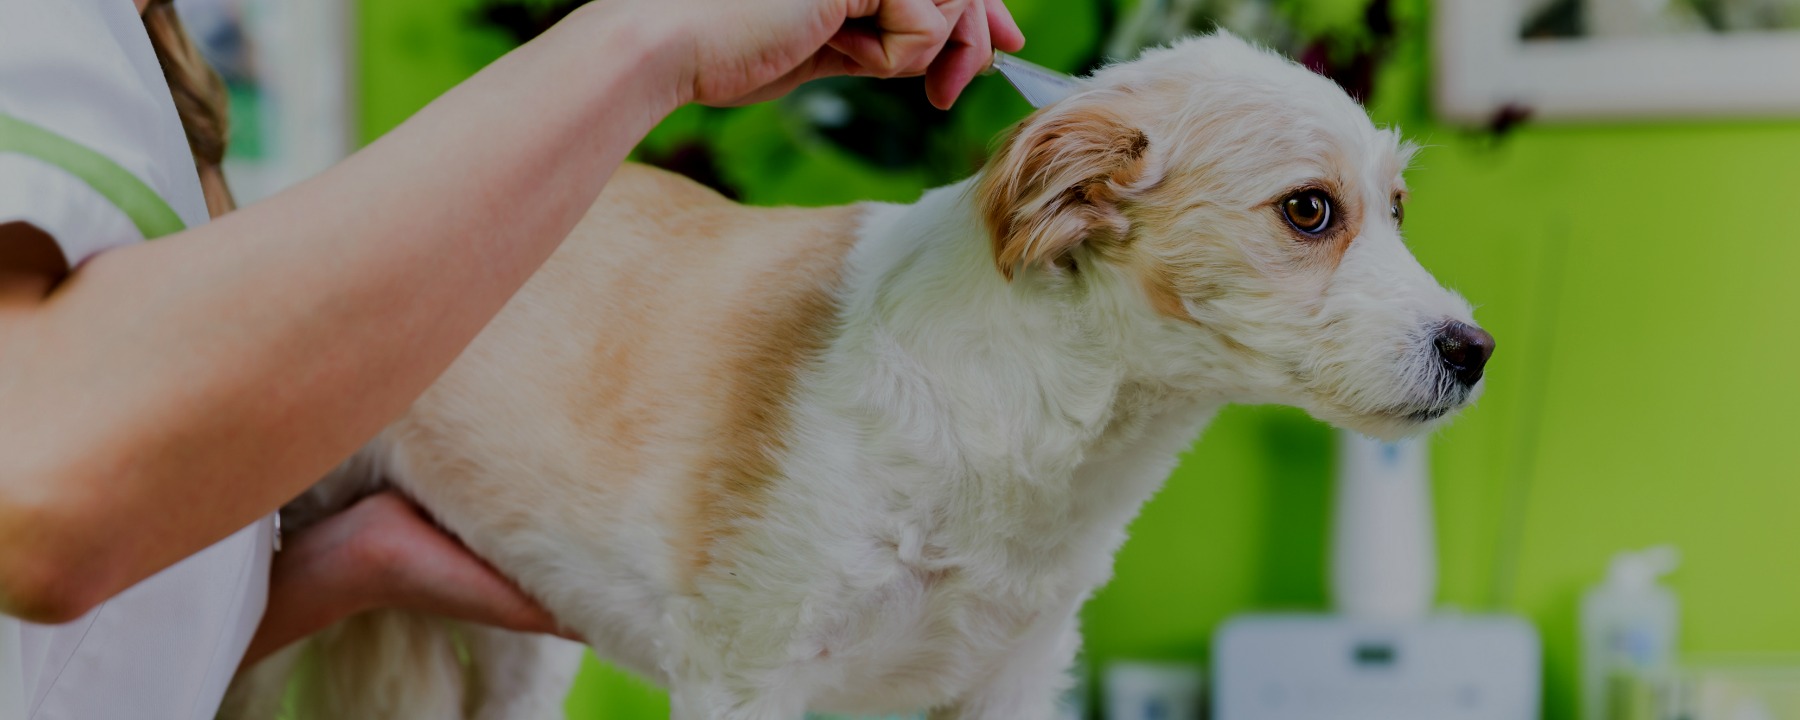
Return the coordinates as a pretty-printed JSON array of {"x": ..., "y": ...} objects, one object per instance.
[{"x": 169, "y": 393}]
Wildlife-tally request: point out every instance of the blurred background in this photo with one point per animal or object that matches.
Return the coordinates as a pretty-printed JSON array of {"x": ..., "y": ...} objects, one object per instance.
[{"x": 1630, "y": 242}]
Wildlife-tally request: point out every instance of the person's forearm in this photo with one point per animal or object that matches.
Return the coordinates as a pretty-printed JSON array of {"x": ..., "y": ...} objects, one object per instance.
[{"x": 270, "y": 343}]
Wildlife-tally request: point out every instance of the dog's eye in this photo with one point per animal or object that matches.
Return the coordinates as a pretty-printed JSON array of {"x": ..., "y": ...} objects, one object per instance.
[
  {"x": 1309, "y": 211},
  {"x": 1398, "y": 210}
]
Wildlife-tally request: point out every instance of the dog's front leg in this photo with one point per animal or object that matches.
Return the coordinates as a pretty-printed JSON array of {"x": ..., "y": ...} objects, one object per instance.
[{"x": 1028, "y": 683}]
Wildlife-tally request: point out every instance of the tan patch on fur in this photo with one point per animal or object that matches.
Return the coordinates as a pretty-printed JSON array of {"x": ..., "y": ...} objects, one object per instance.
[
  {"x": 791, "y": 322},
  {"x": 1164, "y": 297},
  {"x": 617, "y": 400},
  {"x": 670, "y": 329}
]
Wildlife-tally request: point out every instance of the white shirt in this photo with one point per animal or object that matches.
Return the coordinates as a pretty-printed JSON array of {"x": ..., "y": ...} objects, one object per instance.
[{"x": 167, "y": 647}]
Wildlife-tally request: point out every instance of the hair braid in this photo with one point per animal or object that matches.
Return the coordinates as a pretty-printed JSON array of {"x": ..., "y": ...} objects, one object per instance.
[{"x": 200, "y": 99}]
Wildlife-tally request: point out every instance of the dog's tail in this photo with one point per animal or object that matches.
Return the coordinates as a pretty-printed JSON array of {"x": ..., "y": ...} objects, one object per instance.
[{"x": 374, "y": 666}]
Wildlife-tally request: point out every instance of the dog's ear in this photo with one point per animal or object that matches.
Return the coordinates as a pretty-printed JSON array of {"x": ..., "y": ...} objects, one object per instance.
[{"x": 1059, "y": 181}]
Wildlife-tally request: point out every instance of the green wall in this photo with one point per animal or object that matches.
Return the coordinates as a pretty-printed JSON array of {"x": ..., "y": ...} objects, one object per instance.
[{"x": 1640, "y": 279}]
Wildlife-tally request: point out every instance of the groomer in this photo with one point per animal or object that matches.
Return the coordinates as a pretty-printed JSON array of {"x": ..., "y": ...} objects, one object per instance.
[{"x": 159, "y": 400}]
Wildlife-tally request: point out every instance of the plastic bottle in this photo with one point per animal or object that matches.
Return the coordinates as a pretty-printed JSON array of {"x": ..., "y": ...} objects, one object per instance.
[{"x": 1629, "y": 624}]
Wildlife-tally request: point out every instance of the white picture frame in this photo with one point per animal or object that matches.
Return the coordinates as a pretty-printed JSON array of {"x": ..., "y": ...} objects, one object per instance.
[{"x": 1483, "y": 65}]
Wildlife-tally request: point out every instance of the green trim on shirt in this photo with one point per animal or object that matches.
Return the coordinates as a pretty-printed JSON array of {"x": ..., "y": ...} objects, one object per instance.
[{"x": 147, "y": 210}]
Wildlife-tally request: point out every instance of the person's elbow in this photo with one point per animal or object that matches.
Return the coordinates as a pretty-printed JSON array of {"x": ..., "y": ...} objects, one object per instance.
[
  {"x": 34, "y": 593},
  {"x": 43, "y": 579}
]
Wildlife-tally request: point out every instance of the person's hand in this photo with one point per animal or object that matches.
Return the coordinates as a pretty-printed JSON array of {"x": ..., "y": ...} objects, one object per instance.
[
  {"x": 383, "y": 552},
  {"x": 742, "y": 51},
  {"x": 409, "y": 563}
]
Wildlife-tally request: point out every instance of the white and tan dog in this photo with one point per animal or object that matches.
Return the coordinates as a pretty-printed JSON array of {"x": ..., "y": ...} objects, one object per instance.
[{"x": 874, "y": 458}]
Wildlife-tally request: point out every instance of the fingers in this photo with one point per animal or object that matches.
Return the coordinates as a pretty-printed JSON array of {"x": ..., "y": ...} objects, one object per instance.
[
  {"x": 471, "y": 590},
  {"x": 968, "y": 52},
  {"x": 1003, "y": 28},
  {"x": 421, "y": 567},
  {"x": 490, "y": 599},
  {"x": 949, "y": 41},
  {"x": 903, "y": 37}
]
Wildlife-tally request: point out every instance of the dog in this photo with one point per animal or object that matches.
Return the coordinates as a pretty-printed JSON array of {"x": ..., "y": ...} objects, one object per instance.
[{"x": 874, "y": 458}]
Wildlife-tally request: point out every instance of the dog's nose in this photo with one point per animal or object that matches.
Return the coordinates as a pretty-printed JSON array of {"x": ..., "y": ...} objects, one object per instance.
[{"x": 1464, "y": 349}]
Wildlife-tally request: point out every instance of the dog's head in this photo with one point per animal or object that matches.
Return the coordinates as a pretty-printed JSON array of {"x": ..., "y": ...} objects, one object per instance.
[{"x": 1247, "y": 214}]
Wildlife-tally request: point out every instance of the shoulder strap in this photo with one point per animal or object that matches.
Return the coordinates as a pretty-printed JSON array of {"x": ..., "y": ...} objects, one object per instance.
[{"x": 146, "y": 209}]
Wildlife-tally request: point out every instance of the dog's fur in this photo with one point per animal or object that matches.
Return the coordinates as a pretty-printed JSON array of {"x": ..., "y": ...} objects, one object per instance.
[{"x": 874, "y": 458}]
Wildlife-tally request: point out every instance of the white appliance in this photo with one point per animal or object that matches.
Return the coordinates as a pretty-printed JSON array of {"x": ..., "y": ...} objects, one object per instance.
[
  {"x": 1383, "y": 655},
  {"x": 1333, "y": 667}
]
